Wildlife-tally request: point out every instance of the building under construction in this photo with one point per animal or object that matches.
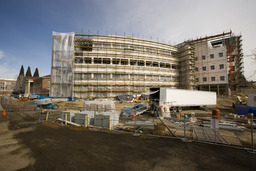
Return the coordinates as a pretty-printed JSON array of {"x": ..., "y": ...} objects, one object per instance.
[
  {"x": 98, "y": 66},
  {"x": 218, "y": 63}
]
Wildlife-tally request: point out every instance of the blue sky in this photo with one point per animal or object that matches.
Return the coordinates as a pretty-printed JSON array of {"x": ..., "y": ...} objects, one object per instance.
[{"x": 26, "y": 25}]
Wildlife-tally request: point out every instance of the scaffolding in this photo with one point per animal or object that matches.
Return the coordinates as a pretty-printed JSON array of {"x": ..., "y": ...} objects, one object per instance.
[
  {"x": 219, "y": 63},
  {"x": 88, "y": 66},
  {"x": 117, "y": 65}
]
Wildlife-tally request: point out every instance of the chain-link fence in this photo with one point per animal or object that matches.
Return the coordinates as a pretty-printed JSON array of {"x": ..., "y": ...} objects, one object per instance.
[{"x": 231, "y": 130}]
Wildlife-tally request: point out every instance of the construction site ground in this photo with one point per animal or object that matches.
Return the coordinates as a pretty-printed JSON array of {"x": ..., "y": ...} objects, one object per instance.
[{"x": 29, "y": 144}]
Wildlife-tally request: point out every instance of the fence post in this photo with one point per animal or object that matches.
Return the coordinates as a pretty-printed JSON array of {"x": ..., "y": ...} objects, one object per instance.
[
  {"x": 85, "y": 121},
  {"x": 185, "y": 126},
  {"x": 47, "y": 115},
  {"x": 215, "y": 135},
  {"x": 134, "y": 124},
  {"x": 252, "y": 131},
  {"x": 66, "y": 117},
  {"x": 109, "y": 123}
]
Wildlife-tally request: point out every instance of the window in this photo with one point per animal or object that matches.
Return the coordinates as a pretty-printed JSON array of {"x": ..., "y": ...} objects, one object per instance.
[
  {"x": 133, "y": 62},
  {"x": 221, "y": 54},
  {"x": 212, "y": 67},
  {"x": 221, "y": 66},
  {"x": 233, "y": 68},
  {"x": 155, "y": 64},
  {"x": 78, "y": 60},
  {"x": 141, "y": 63},
  {"x": 233, "y": 58},
  {"x": 149, "y": 63},
  {"x": 204, "y": 68},
  {"x": 212, "y": 78},
  {"x": 116, "y": 61},
  {"x": 203, "y": 57},
  {"x": 124, "y": 61},
  {"x": 97, "y": 60},
  {"x": 168, "y": 65},
  {"x": 196, "y": 58},
  {"x": 222, "y": 78},
  {"x": 211, "y": 56},
  {"x": 162, "y": 65},
  {"x": 204, "y": 79},
  {"x": 197, "y": 79},
  {"x": 88, "y": 60},
  {"x": 196, "y": 68},
  {"x": 106, "y": 60},
  {"x": 174, "y": 67}
]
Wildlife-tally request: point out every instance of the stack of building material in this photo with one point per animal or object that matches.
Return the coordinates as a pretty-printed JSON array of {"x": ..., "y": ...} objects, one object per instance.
[
  {"x": 100, "y": 106},
  {"x": 102, "y": 121},
  {"x": 92, "y": 118},
  {"x": 80, "y": 117},
  {"x": 105, "y": 116},
  {"x": 70, "y": 115}
]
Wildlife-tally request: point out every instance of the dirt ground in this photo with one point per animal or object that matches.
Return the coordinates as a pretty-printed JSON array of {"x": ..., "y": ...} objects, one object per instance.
[{"x": 27, "y": 144}]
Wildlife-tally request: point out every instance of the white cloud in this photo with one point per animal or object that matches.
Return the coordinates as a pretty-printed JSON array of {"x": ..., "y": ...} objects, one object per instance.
[
  {"x": 176, "y": 21},
  {"x": 1, "y": 54},
  {"x": 7, "y": 71},
  {"x": 8, "y": 66}
]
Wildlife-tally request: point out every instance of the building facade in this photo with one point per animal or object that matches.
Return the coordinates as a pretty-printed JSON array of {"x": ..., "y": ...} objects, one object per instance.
[
  {"x": 95, "y": 66},
  {"x": 219, "y": 63},
  {"x": 42, "y": 85},
  {"x": 7, "y": 85},
  {"x": 98, "y": 66}
]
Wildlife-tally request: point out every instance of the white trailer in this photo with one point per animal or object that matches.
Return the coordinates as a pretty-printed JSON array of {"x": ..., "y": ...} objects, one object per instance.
[{"x": 186, "y": 98}]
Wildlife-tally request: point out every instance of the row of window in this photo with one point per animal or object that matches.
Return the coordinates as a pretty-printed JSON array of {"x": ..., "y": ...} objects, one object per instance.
[
  {"x": 123, "y": 62},
  {"x": 222, "y": 78},
  {"x": 7, "y": 83},
  {"x": 211, "y": 56},
  {"x": 107, "y": 76},
  {"x": 89, "y": 45},
  {"x": 221, "y": 66}
]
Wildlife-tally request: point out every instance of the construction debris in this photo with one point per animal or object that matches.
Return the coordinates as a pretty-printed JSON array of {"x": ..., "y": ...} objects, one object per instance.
[
  {"x": 137, "y": 109},
  {"x": 139, "y": 123}
]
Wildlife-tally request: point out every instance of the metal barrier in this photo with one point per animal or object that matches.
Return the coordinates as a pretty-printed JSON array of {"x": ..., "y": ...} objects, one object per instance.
[{"x": 237, "y": 131}]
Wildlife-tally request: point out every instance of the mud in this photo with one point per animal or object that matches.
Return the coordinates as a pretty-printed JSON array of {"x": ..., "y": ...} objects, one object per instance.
[{"x": 58, "y": 147}]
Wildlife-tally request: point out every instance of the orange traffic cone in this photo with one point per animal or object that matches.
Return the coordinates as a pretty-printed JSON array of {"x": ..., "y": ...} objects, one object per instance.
[{"x": 4, "y": 113}]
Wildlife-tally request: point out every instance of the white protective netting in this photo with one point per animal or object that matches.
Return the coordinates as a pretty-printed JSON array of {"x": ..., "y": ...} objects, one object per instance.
[{"x": 62, "y": 64}]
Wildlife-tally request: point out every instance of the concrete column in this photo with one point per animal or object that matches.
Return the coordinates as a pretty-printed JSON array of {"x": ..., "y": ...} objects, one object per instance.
[
  {"x": 227, "y": 90},
  {"x": 218, "y": 90}
]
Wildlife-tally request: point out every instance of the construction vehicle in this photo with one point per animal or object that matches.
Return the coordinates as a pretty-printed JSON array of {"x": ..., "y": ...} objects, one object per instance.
[
  {"x": 44, "y": 102},
  {"x": 136, "y": 109}
]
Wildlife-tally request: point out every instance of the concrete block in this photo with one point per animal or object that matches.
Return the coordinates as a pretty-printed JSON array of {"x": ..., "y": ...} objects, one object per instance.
[{"x": 70, "y": 115}]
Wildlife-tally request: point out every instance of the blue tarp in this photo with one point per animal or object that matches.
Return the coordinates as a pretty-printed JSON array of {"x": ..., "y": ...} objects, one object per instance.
[
  {"x": 132, "y": 110},
  {"x": 244, "y": 110}
]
